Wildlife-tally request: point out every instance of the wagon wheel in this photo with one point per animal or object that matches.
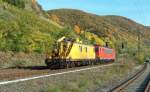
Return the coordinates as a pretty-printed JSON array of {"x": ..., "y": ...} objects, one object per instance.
[
  {"x": 72, "y": 64},
  {"x": 69, "y": 64},
  {"x": 66, "y": 65}
]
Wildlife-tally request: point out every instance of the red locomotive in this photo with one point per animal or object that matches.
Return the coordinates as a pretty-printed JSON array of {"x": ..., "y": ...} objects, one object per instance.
[{"x": 104, "y": 54}]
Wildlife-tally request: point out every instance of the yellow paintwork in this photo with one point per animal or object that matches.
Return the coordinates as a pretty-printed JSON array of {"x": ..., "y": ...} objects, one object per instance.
[{"x": 77, "y": 54}]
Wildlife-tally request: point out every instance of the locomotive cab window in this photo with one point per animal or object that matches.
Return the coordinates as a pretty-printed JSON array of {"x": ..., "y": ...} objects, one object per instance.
[
  {"x": 86, "y": 49},
  {"x": 96, "y": 49},
  {"x": 80, "y": 47}
]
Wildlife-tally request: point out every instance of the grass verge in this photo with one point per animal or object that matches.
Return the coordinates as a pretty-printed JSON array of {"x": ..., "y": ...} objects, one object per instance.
[
  {"x": 10, "y": 59},
  {"x": 90, "y": 81}
]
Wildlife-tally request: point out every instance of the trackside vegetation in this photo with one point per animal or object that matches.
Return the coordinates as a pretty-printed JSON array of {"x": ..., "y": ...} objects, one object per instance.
[
  {"x": 26, "y": 28},
  {"x": 25, "y": 31}
]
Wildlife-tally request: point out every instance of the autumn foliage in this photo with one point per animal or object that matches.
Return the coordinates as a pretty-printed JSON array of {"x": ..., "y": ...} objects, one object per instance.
[
  {"x": 77, "y": 29},
  {"x": 55, "y": 18}
]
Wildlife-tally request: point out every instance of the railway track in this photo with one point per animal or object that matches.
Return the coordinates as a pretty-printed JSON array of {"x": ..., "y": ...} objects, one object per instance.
[
  {"x": 137, "y": 83},
  {"x": 148, "y": 87}
]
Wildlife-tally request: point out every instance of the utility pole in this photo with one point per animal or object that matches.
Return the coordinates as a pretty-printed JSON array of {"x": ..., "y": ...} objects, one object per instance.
[
  {"x": 139, "y": 43},
  {"x": 116, "y": 45}
]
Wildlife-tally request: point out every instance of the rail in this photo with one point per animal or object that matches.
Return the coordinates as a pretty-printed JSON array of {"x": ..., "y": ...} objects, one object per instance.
[
  {"x": 126, "y": 83},
  {"x": 147, "y": 89}
]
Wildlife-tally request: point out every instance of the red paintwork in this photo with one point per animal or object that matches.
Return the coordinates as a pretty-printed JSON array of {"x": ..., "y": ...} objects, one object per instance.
[{"x": 105, "y": 53}]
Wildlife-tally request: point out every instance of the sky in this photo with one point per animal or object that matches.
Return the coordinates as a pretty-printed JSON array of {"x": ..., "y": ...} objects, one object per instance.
[{"x": 137, "y": 10}]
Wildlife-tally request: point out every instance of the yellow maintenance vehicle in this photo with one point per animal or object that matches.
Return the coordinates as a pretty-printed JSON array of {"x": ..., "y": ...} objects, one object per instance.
[{"x": 70, "y": 53}]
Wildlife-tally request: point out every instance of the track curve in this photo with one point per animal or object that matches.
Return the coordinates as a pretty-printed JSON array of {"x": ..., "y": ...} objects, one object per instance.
[{"x": 137, "y": 83}]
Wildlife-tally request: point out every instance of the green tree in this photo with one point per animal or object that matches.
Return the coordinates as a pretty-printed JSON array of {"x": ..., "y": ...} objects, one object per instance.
[{"x": 17, "y": 3}]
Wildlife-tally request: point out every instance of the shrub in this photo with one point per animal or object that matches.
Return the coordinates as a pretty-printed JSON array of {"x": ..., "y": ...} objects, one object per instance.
[
  {"x": 140, "y": 57},
  {"x": 18, "y": 64},
  {"x": 18, "y": 3}
]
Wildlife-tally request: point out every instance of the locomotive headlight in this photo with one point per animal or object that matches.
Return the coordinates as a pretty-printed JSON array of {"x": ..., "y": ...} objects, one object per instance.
[{"x": 48, "y": 56}]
